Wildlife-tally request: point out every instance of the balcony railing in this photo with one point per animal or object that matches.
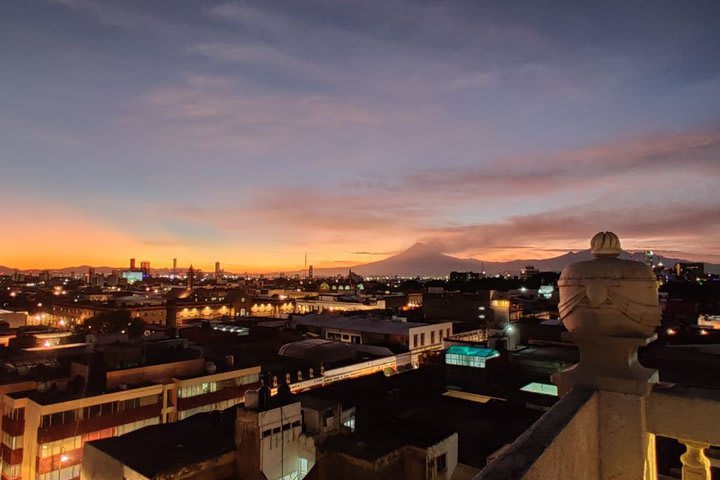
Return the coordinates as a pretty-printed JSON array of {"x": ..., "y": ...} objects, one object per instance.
[
  {"x": 85, "y": 425},
  {"x": 564, "y": 443},
  {"x": 690, "y": 415}
]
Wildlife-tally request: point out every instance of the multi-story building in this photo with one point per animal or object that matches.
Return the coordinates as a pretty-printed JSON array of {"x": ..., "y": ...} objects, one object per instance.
[
  {"x": 71, "y": 313},
  {"x": 255, "y": 441},
  {"x": 689, "y": 271},
  {"x": 408, "y": 336},
  {"x": 489, "y": 308},
  {"x": 528, "y": 272},
  {"x": 45, "y": 429},
  {"x": 326, "y": 302}
]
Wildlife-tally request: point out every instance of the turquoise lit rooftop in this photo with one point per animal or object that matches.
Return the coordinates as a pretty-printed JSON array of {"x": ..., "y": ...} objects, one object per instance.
[{"x": 469, "y": 356}]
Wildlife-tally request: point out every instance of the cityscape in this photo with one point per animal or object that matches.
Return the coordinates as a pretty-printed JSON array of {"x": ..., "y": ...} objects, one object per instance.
[{"x": 359, "y": 240}]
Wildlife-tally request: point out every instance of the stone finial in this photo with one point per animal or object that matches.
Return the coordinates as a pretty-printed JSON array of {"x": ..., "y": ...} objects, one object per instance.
[
  {"x": 607, "y": 296},
  {"x": 605, "y": 244},
  {"x": 610, "y": 308}
]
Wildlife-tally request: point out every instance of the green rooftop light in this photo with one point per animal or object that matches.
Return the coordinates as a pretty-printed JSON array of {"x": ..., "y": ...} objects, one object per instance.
[
  {"x": 469, "y": 356},
  {"x": 473, "y": 351},
  {"x": 541, "y": 388}
]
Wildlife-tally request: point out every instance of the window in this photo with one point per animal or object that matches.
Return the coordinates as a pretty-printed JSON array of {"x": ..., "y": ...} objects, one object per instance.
[
  {"x": 67, "y": 473},
  {"x": 432, "y": 337},
  {"x": 11, "y": 471},
  {"x": 302, "y": 467},
  {"x": 60, "y": 446},
  {"x": 441, "y": 463},
  {"x": 422, "y": 339},
  {"x": 415, "y": 340},
  {"x": 198, "y": 389},
  {"x": 465, "y": 360},
  {"x": 350, "y": 423},
  {"x": 12, "y": 442}
]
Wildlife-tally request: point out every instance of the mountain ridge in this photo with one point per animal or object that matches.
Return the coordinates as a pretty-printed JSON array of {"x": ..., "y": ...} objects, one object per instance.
[{"x": 422, "y": 260}]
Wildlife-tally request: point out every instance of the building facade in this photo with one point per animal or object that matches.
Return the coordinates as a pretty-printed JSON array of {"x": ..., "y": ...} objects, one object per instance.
[{"x": 44, "y": 430}]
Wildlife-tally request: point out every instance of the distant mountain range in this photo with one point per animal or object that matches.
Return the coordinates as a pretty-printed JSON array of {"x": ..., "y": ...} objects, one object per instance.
[{"x": 423, "y": 260}]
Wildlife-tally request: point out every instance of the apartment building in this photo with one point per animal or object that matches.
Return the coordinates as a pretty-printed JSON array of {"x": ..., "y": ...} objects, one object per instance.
[{"x": 45, "y": 429}]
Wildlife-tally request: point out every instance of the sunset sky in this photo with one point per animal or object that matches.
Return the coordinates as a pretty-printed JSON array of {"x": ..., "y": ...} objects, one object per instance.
[{"x": 254, "y": 132}]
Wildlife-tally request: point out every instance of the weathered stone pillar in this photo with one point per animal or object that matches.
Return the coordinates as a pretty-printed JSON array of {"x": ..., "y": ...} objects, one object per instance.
[{"x": 610, "y": 308}]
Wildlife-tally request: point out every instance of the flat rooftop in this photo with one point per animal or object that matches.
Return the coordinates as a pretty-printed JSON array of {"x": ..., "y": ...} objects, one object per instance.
[
  {"x": 201, "y": 437},
  {"x": 357, "y": 324},
  {"x": 390, "y": 408},
  {"x": 376, "y": 443}
]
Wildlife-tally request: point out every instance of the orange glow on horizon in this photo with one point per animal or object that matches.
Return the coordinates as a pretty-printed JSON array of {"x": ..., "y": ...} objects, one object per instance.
[{"x": 64, "y": 238}]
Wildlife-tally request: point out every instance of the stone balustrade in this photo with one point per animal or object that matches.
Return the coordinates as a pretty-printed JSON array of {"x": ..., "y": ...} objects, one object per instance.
[
  {"x": 564, "y": 443},
  {"x": 692, "y": 416},
  {"x": 605, "y": 425}
]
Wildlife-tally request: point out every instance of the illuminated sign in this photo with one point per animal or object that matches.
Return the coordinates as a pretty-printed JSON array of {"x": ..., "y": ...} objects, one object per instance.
[
  {"x": 500, "y": 303},
  {"x": 132, "y": 276}
]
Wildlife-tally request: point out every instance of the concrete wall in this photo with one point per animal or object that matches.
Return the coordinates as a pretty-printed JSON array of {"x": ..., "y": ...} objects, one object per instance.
[
  {"x": 98, "y": 465},
  {"x": 563, "y": 443},
  {"x": 222, "y": 466},
  {"x": 279, "y": 451},
  {"x": 132, "y": 376},
  {"x": 14, "y": 319},
  {"x": 574, "y": 453},
  {"x": 340, "y": 466},
  {"x": 438, "y": 329}
]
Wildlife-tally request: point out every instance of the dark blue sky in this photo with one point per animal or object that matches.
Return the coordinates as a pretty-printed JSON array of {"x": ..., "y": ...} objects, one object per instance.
[{"x": 252, "y": 132}]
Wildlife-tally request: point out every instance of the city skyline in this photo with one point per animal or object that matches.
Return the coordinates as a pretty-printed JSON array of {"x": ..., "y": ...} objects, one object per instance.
[
  {"x": 418, "y": 255},
  {"x": 252, "y": 133}
]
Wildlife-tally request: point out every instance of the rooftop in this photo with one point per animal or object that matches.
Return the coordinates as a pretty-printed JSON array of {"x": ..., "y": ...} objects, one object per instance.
[
  {"x": 357, "y": 324},
  {"x": 329, "y": 351},
  {"x": 379, "y": 442},
  {"x": 200, "y": 437}
]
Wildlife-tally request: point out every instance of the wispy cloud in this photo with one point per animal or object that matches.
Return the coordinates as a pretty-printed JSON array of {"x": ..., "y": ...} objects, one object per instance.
[
  {"x": 675, "y": 226},
  {"x": 257, "y": 131}
]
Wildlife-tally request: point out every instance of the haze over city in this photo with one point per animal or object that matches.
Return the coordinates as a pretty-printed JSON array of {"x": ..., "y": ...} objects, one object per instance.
[{"x": 256, "y": 132}]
